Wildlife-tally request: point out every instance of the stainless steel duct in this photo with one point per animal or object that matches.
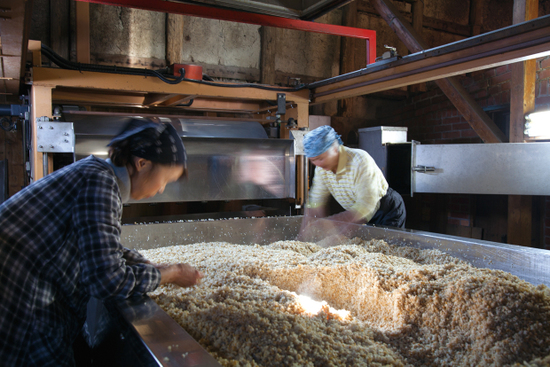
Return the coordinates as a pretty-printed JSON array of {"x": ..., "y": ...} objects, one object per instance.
[{"x": 504, "y": 168}]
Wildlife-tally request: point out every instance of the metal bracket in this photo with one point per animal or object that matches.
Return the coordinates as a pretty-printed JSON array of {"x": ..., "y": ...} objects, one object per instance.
[
  {"x": 54, "y": 137},
  {"x": 281, "y": 103},
  {"x": 423, "y": 169},
  {"x": 298, "y": 136}
]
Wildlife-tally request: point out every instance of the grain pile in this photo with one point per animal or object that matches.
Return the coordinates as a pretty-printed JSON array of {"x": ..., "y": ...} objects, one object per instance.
[{"x": 409, "y": 307}]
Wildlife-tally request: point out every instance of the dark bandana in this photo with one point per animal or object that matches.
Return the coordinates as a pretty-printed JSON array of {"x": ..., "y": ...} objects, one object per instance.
[{"x": 157, "y": 142}]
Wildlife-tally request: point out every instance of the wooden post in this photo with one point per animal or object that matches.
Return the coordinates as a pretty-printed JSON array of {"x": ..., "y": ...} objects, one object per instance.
[
  {"x": 353, "y": 56},
  {"x": 59, "y": 27},
  {"x": 476, "y": 16},
  {"x": 83, "y": 32},
  {"x": 417, "y": 23},
  {"x": 174, "y": 38},
  {"x": 35, "y": 47},
  {"x": 41, "y": 102},
  {"x": 268, "y": 54},
  {"x": 331, "y": 108},
  {"x": 522, "y": 102},
  {"x": 299, "y": 112}
]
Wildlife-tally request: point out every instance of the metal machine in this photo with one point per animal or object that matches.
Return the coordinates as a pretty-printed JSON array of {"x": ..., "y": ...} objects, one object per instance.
[
  {"x": 504, "y": 168},
  {"x": 227, "y": 159},
  {"x": 154, "y": 339}
]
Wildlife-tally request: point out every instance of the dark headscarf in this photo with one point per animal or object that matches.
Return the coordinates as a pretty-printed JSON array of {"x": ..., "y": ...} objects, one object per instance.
[{"x": 156, "y": 142}]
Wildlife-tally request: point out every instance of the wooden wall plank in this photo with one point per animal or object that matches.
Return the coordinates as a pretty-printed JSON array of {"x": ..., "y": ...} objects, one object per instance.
[
  {"x": 14, "y": 154},
  {"x": 269, "y": 36},
  {"x": 59, "y": 27},
  {"x": 353, "y": 56},
  {"x": 476, "y": 16},
  {"x": 83, "y": 32},
  {"x": 417, "y": 23}
]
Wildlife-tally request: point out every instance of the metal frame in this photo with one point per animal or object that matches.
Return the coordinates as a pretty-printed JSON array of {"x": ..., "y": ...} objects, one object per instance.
[
  {"x": 524, "y": 41},
  {"x": 528, "y": 263},
  {"x": 51, "y": 85}
]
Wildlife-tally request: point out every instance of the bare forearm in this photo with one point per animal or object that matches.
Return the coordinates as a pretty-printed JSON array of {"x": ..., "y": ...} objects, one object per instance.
[
  {"x": 310, "y": 216},
  {"x": 347, "y": 220},
  {"x": 348, "y": 216}
]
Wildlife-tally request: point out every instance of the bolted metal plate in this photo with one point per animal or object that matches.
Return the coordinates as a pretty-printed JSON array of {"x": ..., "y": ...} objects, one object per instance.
[{"x": 54, "y": 137}]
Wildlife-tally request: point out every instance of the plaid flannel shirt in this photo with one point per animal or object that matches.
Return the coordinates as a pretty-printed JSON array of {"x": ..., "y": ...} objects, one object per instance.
[{"x": 60, "y": 245}]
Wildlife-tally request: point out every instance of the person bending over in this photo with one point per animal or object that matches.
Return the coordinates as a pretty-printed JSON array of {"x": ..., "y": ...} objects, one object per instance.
[
  {"x": 60, "y": 244},
  {"x": 347, "y": 185}
]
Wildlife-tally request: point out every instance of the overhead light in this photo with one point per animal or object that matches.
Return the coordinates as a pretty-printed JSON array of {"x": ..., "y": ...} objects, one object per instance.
[{"x": 537, "y": 124}]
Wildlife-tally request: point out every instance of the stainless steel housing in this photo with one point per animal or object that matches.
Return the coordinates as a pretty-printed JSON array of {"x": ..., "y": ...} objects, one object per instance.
[
  {"x": 493, "y": 169},
  {"x": 530, "y": 264},
  {"x": 227, "y": 160}
]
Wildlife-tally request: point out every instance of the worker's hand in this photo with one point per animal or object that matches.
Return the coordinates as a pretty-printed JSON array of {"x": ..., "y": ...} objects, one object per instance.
[{"x": 183, "y": 275}]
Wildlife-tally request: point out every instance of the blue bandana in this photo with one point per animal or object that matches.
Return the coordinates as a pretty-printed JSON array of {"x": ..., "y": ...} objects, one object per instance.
[{"x": 319, "y": 140}]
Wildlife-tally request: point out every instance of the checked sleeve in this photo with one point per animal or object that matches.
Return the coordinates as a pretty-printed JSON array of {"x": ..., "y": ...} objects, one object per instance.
[{"x": 96, "y": 217}]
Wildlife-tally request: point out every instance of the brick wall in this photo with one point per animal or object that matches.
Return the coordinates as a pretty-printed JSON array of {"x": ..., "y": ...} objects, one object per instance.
[
  {"x": 459, "y": 212},
  {"x": 432, "y": 119}
]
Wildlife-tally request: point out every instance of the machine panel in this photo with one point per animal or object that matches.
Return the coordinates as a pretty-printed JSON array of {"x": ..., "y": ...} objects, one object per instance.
[{"x": 506, "y": 168}]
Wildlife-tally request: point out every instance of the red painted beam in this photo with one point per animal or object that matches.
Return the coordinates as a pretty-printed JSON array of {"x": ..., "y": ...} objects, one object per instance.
[{"x": 250, "y": 18}]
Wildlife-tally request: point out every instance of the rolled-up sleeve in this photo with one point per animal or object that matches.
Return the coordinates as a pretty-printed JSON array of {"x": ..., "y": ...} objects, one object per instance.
[{"x": 105, "y": 272}]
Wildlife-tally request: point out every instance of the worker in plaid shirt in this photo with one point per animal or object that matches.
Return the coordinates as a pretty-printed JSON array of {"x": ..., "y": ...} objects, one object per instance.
[{"x": 60, "y": 244}]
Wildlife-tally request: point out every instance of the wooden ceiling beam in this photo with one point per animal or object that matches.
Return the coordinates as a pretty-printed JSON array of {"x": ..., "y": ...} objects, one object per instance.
[
  {"x": 97, "y": 99},
  {"x": 220, "y": 105},
  {"x": 480, "y": 122},
  {"x": 522, "y": 102},
  {"x": 117, "y": 83},
  {"x": 529, "y": 40},
  {"x": 428, "y": 22}
]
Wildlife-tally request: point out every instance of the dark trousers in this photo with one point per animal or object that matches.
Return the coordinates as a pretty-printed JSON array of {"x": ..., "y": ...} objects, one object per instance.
[{"x": 392, "y": 211}]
